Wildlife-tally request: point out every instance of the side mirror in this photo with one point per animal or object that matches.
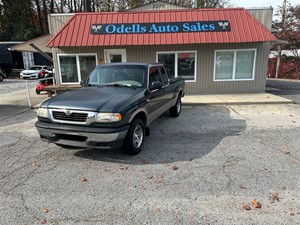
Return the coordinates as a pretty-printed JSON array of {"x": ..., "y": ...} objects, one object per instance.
[
  {"x": 155, "y": 85},
  {"x": 82, "y": 83}
]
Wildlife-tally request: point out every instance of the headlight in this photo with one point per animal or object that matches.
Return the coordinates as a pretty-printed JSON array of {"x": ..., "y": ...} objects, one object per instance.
[
  {"x": 42, "y": 112},
  {"x": 108, "y": 117}
]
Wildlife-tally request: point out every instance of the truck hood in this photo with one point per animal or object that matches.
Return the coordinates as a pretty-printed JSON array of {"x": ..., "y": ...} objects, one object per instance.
[{"x": 96, "y": 99}]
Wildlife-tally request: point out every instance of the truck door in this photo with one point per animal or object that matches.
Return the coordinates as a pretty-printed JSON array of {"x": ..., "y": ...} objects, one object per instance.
[
  {"x": 156, "y": 96},
  {"x": 168, "y": 91}
]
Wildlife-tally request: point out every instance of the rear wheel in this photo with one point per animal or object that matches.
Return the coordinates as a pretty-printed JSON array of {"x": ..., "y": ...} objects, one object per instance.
[
  {"x": 134, "y": 139},
  {"x": 37, "y": 91},
  {"x": 176, "y": 109}
]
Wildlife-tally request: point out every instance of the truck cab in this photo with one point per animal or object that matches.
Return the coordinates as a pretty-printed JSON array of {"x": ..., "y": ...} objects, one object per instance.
[{"x": 112, "y": 109}]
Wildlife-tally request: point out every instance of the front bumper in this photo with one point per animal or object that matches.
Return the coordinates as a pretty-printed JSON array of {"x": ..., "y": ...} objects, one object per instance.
[
  {"x": 82, "y": 136},
  {"x": 31, "y": 76}
]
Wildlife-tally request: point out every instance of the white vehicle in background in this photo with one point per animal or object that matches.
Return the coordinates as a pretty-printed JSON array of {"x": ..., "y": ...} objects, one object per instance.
[{"x": 35, "y": 72}]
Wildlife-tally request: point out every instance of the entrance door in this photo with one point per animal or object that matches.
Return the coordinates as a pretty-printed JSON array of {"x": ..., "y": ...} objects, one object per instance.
[{"x": 115, "y": 55}]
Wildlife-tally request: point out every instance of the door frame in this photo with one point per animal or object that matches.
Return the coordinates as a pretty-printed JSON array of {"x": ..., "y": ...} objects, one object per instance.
[{"x": 119, "y": 51}]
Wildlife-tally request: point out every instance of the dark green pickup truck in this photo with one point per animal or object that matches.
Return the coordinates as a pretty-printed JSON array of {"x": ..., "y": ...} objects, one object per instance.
[{"x": 112, "y": 109}]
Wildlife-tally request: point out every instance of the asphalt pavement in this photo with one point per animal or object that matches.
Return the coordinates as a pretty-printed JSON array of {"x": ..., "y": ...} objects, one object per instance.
[
  {"x": 18, "y": 96},
  {"x": 208, "y": 166},
  {"x": 289, "y": 89}
]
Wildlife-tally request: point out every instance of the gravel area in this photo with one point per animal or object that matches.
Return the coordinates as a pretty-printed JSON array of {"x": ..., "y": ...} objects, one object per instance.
[{"x": 11, "y": 85}]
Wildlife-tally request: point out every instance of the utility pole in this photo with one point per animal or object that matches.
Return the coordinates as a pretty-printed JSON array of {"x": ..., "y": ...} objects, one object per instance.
[{"x": 280, "y": 46}]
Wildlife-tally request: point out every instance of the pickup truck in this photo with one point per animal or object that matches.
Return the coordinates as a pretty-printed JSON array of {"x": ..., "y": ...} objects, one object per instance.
[{"x": 112, "y": 109}]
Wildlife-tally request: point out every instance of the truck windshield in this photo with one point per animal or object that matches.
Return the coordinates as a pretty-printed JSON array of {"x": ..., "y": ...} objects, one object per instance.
[{"x": 118, "y": 75}]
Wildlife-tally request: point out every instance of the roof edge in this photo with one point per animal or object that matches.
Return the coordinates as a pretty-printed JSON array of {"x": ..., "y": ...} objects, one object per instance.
[{"x": 53, "y": 38}]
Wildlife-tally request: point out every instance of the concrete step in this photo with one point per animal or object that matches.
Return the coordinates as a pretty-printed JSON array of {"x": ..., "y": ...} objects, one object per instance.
[{"x": 15, "y": 73}]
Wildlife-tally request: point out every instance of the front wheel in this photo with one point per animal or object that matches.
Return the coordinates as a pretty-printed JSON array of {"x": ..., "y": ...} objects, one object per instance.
[
  {"x": 134, "y": 139},
  {"x": 37, "y": 91},
  {"x": 176, "y": 109}
]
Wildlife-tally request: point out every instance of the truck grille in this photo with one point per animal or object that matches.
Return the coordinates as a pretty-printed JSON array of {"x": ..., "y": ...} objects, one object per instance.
[{"x": 74, "y": 117}]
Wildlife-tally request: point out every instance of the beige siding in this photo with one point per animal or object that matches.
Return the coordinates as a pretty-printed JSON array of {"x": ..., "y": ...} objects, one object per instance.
[
  {"x": 205, "y": 64},
  {"x": 264, "y": 15},
  {"x": 57, "y": 21},
  {"x": 158, "y": 5}
]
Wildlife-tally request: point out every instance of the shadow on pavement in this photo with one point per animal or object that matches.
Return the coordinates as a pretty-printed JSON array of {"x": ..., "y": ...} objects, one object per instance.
[
  {"x": 195, "y": 133},
  {"x": 13, "y": 114},
  {"x": 7, "y": 111},
  {"x": 285, "y": 88}
]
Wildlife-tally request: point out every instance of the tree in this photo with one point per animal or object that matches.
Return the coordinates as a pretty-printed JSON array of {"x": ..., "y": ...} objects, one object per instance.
[
  {"x": 211, "y": 3},
  {"x": 21, "y": 20},
  {"x": 121, "y": 5},
  {"x": 17, "y": 21},
  {"x": 289, "y": 30}
]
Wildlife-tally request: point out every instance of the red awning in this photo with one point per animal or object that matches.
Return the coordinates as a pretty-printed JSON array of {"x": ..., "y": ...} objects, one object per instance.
[{"x": 82, "y": 28}]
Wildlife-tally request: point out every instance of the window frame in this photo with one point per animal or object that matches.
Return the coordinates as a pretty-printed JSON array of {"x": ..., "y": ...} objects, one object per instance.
[
  {"x": 163, "y": 75},
  {"x": 121, "y": 51},
  {"x": 77, "y": 55},
  {"x": 233, "y": 77},
  {"x": 176, "y": 62}
]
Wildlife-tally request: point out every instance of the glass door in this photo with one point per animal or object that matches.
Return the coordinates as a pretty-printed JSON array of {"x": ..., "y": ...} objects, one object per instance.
[{"x": 115, "y": 55}]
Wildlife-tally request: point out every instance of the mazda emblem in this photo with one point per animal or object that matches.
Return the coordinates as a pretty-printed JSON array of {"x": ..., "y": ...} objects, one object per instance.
[{"x": 68, "y": 112}]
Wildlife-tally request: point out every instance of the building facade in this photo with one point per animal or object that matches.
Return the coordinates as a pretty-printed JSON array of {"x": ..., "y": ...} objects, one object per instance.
[{"x": 216, "y": 50}]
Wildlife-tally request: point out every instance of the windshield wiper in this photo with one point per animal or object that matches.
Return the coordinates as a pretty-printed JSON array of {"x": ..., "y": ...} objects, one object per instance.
[
  {"x": 134, "y": 86},
  {"x": 119, "y": 85},
  {"x": 94, "y": 85}
]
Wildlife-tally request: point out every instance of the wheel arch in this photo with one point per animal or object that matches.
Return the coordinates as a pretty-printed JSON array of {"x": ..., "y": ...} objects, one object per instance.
[
  {"x": 142, "y": 114},
  {"x": 180, "y": 93}
]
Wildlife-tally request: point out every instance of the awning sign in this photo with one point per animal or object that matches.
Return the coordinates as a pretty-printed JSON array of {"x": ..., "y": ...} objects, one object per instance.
[{"x": 146, "y": 28}]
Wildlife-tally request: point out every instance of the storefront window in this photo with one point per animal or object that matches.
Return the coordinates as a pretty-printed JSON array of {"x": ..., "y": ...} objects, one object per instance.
[
  {"x": 74, "y": 68},
  {"x": 224, "y": 65},
  {"x": 168, "y": 59},
  {"x": 186, "y": 65},
  {"x": 68, "y": 69},
  {"x": 244, "y": 64},
  {"x": 87, "y": 64},
  {"x": 179, "y": 64},
  {"x": 234, "y": 65}
]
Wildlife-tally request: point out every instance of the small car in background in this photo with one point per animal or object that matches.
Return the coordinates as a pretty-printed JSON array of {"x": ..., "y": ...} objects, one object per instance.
[
  {"x": 35, "y": 72},
  {"x": 48, "y": 80}
]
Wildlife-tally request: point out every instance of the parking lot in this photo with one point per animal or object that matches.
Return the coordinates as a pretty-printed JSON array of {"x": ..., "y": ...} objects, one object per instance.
[{"x": 204, "y": 167}]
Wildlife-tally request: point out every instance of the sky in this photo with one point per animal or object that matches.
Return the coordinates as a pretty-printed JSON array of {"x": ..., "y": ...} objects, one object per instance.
[{"x": 261, "y": 3}]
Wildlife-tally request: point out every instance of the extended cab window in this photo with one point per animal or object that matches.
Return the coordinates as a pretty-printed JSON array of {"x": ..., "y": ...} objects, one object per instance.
[
  {"x": 154, "y": 75},
  {"x": 164, "y": 75}
]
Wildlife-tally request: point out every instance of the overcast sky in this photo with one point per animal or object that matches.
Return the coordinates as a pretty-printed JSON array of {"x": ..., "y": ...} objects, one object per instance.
[{"x": 261, "y": 3}]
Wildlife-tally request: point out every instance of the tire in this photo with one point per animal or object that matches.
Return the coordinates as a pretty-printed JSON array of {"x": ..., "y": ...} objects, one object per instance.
[
  {"x": 37, "y": 91},
  {"x": 134, "y": 139},
  {"x": 176, "y": 109},
  {"x": 1, "y": 77}
]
